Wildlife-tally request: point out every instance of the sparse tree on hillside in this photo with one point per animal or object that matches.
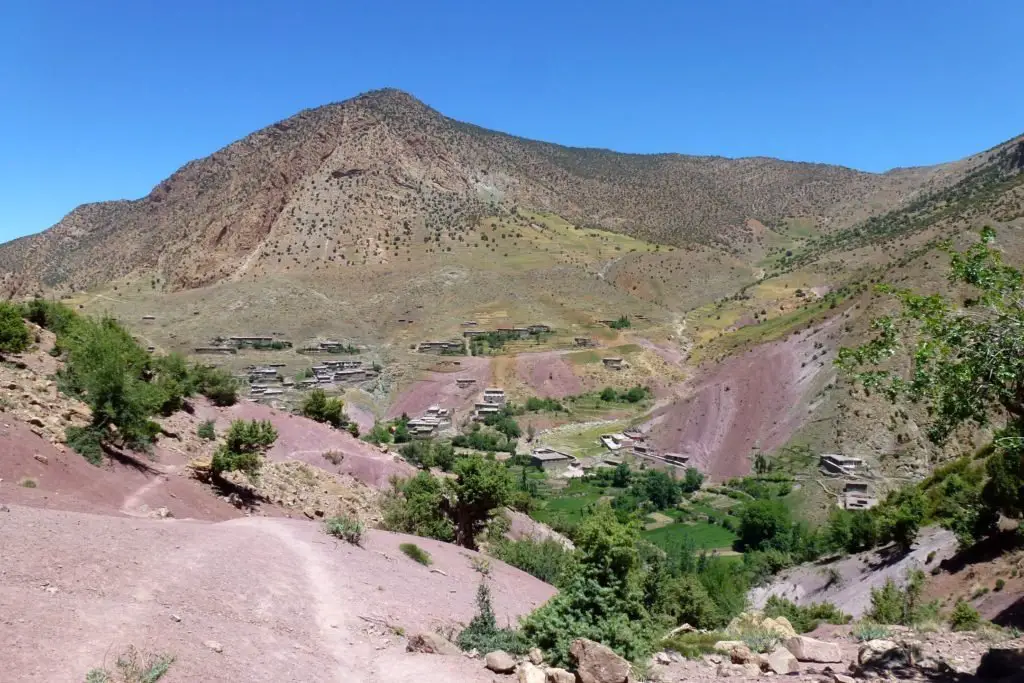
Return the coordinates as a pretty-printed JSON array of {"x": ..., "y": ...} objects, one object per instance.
[
  {"x": 318, "y": 406},
  {"x": 243, "y": 448},
  {"x": 14, "y": 335}
]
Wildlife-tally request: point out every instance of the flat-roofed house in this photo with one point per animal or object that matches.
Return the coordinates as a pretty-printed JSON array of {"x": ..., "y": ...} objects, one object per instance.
[{"x": 548, "y": 459}]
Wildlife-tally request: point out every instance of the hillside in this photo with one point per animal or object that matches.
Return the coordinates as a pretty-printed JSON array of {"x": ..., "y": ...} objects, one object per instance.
[{"x": 347, "y": 183}]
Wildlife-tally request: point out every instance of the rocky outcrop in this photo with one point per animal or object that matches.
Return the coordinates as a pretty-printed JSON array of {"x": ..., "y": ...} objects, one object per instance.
[
  {"x": 812, "y": 650},
  {"x": 596, "y": 663},
  {"x": 556, "y": 675},
  {"x": 530, "y": 673}
]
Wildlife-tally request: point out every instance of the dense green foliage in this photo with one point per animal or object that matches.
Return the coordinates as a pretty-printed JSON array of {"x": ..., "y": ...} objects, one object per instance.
[
  {"x": 892, "y": 604},
  {"x": 243, "y": 448},
  {"x": 620, "y": 323},
  {"x": 87, "y": 442},
  {"x": 545, "y": 559},
  {"x": 428, "y": 453},
  {"x": 14, "y": 334},
  {"x": 329, "y": 410},
  {"x": 964, "y": 617},
  {"x": 965, "y": 365},
  {"x": 206, "y": 431}
]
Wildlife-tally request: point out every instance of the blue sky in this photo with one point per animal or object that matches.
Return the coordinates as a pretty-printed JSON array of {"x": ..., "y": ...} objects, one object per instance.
[{"x": 101, "y": 100}]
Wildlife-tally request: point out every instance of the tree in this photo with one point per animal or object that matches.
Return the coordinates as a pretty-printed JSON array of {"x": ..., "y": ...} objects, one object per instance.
[
  {"x": 966, "y": 362},
  {"x": 658, "y": 488},
  {"x": 243, "y": 448},
  {"x": 418, "y": 506},
  {"x": 319, "y": 407},
  {"x": 765, "y": 525},
  {"x": 693, "y": 480},
  {"x": 174, "y": 379},
  {"x": 609, "y": 394},
  {"x": 14, "y": 335},
  {"x": 480, "y": 487},
  {"x": 621, "y": 476},
  {"x": 216, "y": 384},
  {"x": 600, "y": 597},
  {"x": 902, "y": 516}
]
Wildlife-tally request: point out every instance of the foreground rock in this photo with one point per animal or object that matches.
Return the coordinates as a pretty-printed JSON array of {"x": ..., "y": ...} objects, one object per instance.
[
  {"x": 1000, "y": 663},
  {"x": 782, "y": 661},
  {"x": 812, "y": 650},
  {"x": 431, "y": 643},
  {"x": 596, "y": 663},
  {"x": 529, "y": 673},
  {"x": 500, "y": 662},
  {"x": 556, "y": 675}
]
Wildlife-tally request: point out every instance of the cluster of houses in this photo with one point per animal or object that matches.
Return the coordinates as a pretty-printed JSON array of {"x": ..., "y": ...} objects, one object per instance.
[
  {"x": 456, "y": 346},
  {"x": 492, "y": 400},
  {"x": 328, "y": 347},
  {"x": 634, "y": 442},
  {"x": 507, "y": 332},
  {"x": 430, "y": 423},
  {"x": 231, "y": 345},
  {"x": 856, "y": 494},
  {"x": 331, "y": 372},
  {"x": 266, "y": 382}
]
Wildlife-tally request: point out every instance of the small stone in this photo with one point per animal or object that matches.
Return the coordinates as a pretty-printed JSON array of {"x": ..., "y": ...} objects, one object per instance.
[
  {"x": 812, "y": 650},
  {"x": 556, "y": 675},
  {"x": 662, "y": 658},
  {"x": 214, "y": 645},
  {"x": 500, "y": 662},
  {"x": 175, "y": 617},
  {"x": 41, "y": 458},
  {"x": 843, "y": 678},
  {"x": 431, "y": 643}
]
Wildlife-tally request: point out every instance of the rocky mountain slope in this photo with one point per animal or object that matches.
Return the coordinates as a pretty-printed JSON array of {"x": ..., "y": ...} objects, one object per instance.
[{"x": 343, "y": 183}]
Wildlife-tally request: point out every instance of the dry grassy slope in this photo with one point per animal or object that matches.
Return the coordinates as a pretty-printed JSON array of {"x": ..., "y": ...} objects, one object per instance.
[{"x": 333, "y": 185}]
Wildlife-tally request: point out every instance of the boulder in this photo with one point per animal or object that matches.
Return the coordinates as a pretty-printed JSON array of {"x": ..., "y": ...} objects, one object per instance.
[
  {"x": 662, "y": 658},
  {"x": 596, "y": 663},
  {"x": 812, "y": 650},
  {"x": 536, "y": 656},
  {"x": 529, "y": 673},
  {"x": 782, "y": 661},
  {"x": 1001, "y": 663},
  {"x": 741, "y": 654},
  {"x": 431, "y": 643},
  {"x": 779, "y": 625},
  {"x": 556, "y": 675},
  {"x": 882, "y": 654},
  {"x": 500, "y": 662}
]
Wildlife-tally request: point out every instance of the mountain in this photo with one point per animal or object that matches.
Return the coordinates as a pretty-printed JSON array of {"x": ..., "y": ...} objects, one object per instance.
[{"x": 385, "y": 169}]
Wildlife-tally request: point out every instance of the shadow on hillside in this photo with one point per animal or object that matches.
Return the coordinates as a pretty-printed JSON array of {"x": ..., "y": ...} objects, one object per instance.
[
  {"x": 128, "y": 460},
  {"x": 986, "y": 550},
  {"x": 1012, "y": 616}
]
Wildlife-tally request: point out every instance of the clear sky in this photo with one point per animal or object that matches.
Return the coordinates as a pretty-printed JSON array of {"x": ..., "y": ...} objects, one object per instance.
[{"x": 102, "y": 100}]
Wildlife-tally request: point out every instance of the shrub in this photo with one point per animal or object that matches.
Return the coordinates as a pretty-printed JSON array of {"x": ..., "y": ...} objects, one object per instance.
[
  {"x": 346, "y": 528},
  {"x": 694, "y": 644},
  {"x": 334, "y": 457},
  {"x": 416, "y": 553},
  {"x": 964, "y": 617},
  {"x": 216, "y": 384},
  {"x": 416, "y": 506},
  {"x": 133, "y": 666},
  {"x": 206, "y": 431},
  {"x": 805, "y": 618},
  {"x": 483, "y": 635},
  {"x": 319, "y": 407},
  {"x": 87, "y": 442},
  {"x": 28, "y": 483},
  {"x": 243, "y": 449},
  {"x": 14, "y": 335},
  {"x": 891, "y": 604},
  {"x": 760, "y": 639},
  {"x": 870, "y": 630},
  {"x": 545, "y": 559},
  {"x": 1000, "y": 585},
  {"x": 686, "y": 601}
]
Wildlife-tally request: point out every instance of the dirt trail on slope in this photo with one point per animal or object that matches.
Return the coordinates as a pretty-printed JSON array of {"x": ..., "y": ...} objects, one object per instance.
[
  {"x": 754, "y": 400},
  {"x": 285, "y": 601}
]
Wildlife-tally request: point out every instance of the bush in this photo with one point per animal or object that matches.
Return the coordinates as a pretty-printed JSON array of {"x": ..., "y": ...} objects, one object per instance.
[
  {"x": 694, "y": 644},
  {"x": 686, "y": 601},
  {"x": 245, "y": 443},
  {"x": 14, "y": 335},
  {"x": 133, "y": 666},
  {"x": 206, "y": 431},
  {"x": 870, "y": 630},
  {"x": 483, "y": 634},
  {"x": 416, "y": 553},
  {"x": 216, "y": 384},
  {"x": 964, "y": 617},
  {"x": 891, "y": 604},
  {"x": 1000, "y": 585},
  {"x": 319, "y": 407},
  {"x": 765, "y": 525},
  {"x": 417, "y": 506},
  {"x": 760, "y": 639},
  {"x": 805, "y": 618},
  {"x": 346, "y": 528},
  {"x": 87, "y": 442},
  {"x": 545, "y": 560}
]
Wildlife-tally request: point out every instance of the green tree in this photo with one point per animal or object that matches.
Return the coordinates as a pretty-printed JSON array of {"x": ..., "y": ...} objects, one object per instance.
[
  {"x": 243, "y": 448},
  {"x": 480, "y": 487},
  {"x": 609, "y": 394},
  {"x": 216, "y": 384},
  {"x": 621, "y": 476},
  {"x": 419, "y": 506},
  {"x": 600, "y": 597},
  {"x": 329, "y": 410},
  {"x": 14, "y": 335},
  {"x": 965, "y": 364},
  {"x": 765, "y": 525},
  {"x": 693, "y": 480},
  {"x": 659, "y": 488}
]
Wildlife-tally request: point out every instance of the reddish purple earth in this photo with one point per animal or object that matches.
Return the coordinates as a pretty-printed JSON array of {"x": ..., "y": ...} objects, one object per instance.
[
  {"x": 441, "y": 389},
  {"x": 754, "y": 400},
  {"x": 548, "y": 374}
]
